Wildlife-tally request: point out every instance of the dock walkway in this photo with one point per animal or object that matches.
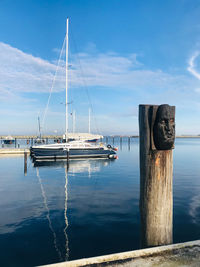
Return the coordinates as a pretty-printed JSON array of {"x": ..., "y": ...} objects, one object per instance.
[
  {"x": 14, "y": 150},
  {"x": 176, "y": 255}
]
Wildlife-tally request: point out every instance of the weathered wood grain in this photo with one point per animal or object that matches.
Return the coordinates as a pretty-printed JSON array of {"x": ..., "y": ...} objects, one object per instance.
[{"x": 156, "y": 169}]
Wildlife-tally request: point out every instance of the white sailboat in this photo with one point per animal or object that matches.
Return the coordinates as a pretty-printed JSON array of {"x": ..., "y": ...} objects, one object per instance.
[
  {"x": 39, "y": 140},
  {"x": 72, "y": 149},
  {"x": 87, "y": 137}
]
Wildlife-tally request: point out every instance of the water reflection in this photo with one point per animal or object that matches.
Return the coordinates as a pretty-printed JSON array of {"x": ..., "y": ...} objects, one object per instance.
[
  {"x": 65, "y": 215},
  {"x": 72, "y": 168},
  {"x": 194, "y": 210},
  {"x": 76, "y": 166},
  {"x": 92, "y": 205},
  {"x": 48, "y": 213},
  {"x": 65, "y": 211}
]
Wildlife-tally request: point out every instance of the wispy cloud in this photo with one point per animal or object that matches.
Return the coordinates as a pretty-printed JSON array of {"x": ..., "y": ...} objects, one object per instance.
[
  {"x": 23, "y": 73},
  {"x": 112, "y": 70},
  {"x": 192, "y": 66}
]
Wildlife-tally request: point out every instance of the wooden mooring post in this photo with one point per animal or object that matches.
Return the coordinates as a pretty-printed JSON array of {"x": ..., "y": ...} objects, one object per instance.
[
  {"x": 120, "y": 142},
  {"x": 25, "y": 162},
  {"x": 157, "y": 134}
]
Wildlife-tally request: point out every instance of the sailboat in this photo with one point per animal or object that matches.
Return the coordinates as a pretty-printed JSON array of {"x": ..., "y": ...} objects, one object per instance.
[
  {"x": 71, "y": 149},
  {"x": 39, "y": 140},
  {"x": 87, "y": 137}
]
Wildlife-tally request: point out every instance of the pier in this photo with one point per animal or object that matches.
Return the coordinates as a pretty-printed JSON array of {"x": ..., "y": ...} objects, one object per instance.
[
  {"x": 182, "y": 254},
  {"x": 4, "y": 151}
]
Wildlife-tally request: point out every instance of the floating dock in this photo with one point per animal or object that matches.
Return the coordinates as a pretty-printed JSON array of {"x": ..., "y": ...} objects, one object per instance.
[
  {"x": 179, "y": 255},
  {"x": 14, "y": 151}
]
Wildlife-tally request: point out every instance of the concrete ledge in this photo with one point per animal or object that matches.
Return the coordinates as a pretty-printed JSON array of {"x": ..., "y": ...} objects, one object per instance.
[
  {"x": 14, "y": 150},
  {"x": 182, "y": 254}
]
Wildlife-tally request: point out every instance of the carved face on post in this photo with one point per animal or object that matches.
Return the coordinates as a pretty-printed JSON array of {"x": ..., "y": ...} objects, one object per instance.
[{"x": 164, "y": 128}]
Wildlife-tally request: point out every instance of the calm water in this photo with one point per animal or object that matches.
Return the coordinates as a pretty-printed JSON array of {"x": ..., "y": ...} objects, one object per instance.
[{"x": 53, "y": 214}]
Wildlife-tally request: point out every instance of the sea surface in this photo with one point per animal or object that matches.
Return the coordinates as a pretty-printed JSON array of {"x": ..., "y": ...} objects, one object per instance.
[{"x": 57, "y": 212}]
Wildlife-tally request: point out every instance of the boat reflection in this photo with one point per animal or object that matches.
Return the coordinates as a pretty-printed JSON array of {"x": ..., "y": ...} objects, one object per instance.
[
  {"x": 76, "y": 166},
  {"x": 71, "y": 167},
  {"x": 46, "y": 207}
]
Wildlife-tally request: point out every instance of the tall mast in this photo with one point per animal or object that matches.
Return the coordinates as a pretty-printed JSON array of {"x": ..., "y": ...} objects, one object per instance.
[
  {"x": 66, "y": 114},
  {"x": 89, "y": 121},
  {"x": 39, "y": 127},
  {"x": 74, "y": 120}
]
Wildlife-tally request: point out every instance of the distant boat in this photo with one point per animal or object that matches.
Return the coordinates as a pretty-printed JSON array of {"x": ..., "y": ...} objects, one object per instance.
[
  {"x": 39, "y": 139},
  {"x": 72, "y": 149},
  {"x": 86, "y": 137},
  {"x": 8, "y": 140}
]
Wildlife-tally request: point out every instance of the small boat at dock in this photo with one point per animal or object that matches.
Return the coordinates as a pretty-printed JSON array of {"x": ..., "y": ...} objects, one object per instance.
[{"x": 8, "y": 140}]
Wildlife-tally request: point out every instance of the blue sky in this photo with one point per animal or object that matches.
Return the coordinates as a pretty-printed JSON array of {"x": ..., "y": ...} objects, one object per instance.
[{"x": 122, "y": 53}]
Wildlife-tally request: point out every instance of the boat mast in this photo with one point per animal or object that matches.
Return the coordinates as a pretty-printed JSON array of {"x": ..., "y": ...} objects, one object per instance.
[
  {"x": 66, "y": 114},
  {"x": 89, "y": 121},
  {"x": 39, "y": 127},
  {"x": 74, "y": 120}
]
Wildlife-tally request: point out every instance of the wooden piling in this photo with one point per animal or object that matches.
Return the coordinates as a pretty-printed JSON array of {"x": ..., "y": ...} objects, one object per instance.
[
  {"x": 129, "y": 143},
  {"x": 25, "y": 162},
  {"x": 156, "y": 167}
]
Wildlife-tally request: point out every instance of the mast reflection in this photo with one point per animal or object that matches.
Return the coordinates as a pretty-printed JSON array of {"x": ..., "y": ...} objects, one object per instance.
[
  {"x": 48, "y": 214},
  {"x": 71, "y": 167}
]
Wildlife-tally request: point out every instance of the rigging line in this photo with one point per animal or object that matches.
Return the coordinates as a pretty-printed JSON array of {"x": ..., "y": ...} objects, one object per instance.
[
  {"x": 48, "y": 214},
  {"x": 52, "y": 85},
  {"x": 65, "y": 215},
  {"x": 84, "y": 82}
]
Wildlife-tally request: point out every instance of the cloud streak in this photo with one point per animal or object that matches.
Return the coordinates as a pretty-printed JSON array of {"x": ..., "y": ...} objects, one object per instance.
[
  {"x": 192, "y": 65},
  {"x": 23, "y": 77},
  {"x": 112, "y": 70},
  {"x": 23, "y": 73}
]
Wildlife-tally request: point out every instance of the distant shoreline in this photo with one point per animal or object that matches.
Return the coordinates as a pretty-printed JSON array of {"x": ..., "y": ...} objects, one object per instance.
[
  {"x": 110, "y": 136},
  {"x": 187, "y": 136}
]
